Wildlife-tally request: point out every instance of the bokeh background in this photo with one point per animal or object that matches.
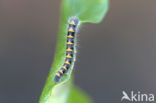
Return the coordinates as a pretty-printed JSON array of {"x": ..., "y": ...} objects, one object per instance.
[{"x": 117, "y": 54}]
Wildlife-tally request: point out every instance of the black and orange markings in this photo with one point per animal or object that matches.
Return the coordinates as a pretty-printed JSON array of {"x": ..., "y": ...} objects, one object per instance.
[{"x": 72, "y": 27}]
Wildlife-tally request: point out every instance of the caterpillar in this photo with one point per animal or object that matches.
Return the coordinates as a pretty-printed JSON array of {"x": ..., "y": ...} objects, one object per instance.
[{"x": 70, "y": 44}]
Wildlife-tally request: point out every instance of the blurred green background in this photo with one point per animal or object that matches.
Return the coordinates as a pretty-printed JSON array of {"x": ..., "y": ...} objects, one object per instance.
[{"x": 117, "y": 54}]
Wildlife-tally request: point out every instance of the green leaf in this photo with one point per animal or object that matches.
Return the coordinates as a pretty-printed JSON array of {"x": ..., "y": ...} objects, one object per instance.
[
  {"x": 76, "y": 95},
  {"x": 91, "y": 11}
]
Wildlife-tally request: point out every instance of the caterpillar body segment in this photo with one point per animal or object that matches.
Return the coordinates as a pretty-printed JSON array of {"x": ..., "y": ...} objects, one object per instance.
[{"x": 70, "y": 48}]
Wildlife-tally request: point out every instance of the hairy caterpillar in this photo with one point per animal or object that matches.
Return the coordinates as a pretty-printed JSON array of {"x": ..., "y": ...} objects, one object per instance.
[{"x": 72, "y": 28}]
